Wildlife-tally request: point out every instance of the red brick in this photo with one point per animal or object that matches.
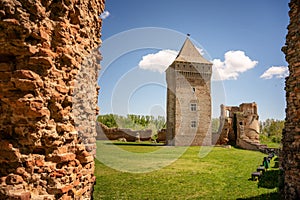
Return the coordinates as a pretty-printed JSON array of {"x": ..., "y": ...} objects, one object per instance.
[
  {"x": 39, "y": 163},
  {"x": 62, "y": 157}
]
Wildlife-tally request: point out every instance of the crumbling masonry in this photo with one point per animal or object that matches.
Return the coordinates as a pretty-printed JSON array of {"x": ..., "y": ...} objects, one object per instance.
[
  {"x": 239, "y": 125},
  {"x": 48, "y": 97},
  {"x": 290, "y": 156}
]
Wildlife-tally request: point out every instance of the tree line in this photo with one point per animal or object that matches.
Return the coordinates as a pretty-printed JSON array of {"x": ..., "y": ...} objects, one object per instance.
[
  {"x": 271, "y": 129},
  {"x": 134, "y": 122}
]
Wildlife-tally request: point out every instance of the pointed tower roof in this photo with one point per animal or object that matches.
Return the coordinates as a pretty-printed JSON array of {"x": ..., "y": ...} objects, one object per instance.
[{"x": 189, "y": 53}]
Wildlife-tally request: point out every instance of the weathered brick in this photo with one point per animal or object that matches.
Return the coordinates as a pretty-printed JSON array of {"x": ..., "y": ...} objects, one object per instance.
[
  {"x": 41, "y": 72},
  {"x": 289, "y": 158},
  {"x": 13, "y": 179},
  {"x": 61, "y": 190},
  {"x": 6, "y": 67}
]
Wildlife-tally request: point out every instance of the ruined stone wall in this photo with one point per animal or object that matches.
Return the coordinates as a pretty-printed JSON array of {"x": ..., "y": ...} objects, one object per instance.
[
  {"x": 161, "y": 135},
  {"x": 47, "y": 131},
  {"x": 290, "y": 156},
  {"x": 239, "y": 126},
  {"x": 105, "y": 133}
]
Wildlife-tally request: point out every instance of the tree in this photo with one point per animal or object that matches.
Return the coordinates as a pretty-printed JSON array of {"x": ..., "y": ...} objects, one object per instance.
[
  {"x": 108, "y": 120},
  {"x": 272, "y": 129},
  {"x": 215, "y": 123},
  {"x": 135, "y": 122}
]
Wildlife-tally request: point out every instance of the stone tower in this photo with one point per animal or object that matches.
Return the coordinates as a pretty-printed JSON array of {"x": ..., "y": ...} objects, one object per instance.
[{"x": 188, "y": 98}]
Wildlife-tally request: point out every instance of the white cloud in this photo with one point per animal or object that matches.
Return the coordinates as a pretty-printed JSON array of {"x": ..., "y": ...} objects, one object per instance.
[
  {"x": 277, "y": 72},
  {"x": 235, "y": 63},
  {"x": 158, "y": 61},
  {"x": 105, "y": 14}
]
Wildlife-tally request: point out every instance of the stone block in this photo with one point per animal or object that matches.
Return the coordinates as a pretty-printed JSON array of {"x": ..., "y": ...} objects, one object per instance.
[
  {"x": 60, "y": 190},
  {"x": 20, "y": 195},
  {"x": 58, "y": 158},
  {"x": 14, "y": 179},
  {"x": 6, "y": 67}
]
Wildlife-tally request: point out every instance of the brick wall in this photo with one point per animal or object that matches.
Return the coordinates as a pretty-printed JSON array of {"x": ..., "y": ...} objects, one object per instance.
[
  {"x": 290, "y": 156},
  {"x": 47, "y": 135}
]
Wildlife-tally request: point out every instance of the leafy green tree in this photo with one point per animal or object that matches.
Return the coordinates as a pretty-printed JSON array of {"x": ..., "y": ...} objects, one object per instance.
[
  {"x": 215, "y": 123},
  {"x": 108, "y": 120},
  {"x": 135, "y": 122},
  {"x": 271, "y": 130}
]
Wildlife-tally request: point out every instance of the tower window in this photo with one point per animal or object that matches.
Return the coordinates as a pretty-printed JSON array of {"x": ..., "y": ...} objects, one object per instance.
[
  {"x": 193, "y": 107},
  {"x": 194, "y": 90},
  {"x": 193, "y": 124}
]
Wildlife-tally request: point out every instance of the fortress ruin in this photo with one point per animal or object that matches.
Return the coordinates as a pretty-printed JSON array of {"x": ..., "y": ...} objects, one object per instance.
[
  {"x": 43, "y": 154},
  {"x": 239, "y": 125},
  {"x": 48, "y": 55}
]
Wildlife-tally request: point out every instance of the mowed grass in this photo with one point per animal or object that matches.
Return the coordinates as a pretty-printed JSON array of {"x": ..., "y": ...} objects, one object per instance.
[
  {"x": 221, "y": 174},
  {"x": 272, "y": 144}
]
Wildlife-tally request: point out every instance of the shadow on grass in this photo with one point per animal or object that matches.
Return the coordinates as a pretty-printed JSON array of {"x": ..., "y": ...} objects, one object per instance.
[
  {"x": 269, "y": 196},
  {"x": 269, "y": 179}
]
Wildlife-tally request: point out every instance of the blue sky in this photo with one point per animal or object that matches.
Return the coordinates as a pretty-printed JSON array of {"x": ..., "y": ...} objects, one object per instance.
[{"x": 243, "y": 40}]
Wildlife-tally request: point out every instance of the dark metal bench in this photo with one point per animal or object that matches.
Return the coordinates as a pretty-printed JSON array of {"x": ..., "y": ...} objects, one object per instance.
[
  {"x": 261, "y": 169},
  {"x": 255, "y": 176},
  {"x": 270, "y": 156}
]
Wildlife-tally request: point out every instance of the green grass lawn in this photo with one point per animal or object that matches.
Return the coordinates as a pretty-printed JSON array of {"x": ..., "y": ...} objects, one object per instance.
[
  {"x": 268, "y": 141},
  {"x": 272, "y": 144},
  {"x": 221, "y": 174}
]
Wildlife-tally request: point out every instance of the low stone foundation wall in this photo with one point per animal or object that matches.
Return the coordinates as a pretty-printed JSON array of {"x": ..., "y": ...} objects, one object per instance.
[
  {"x": 250, "y": 145},
  {"x": 105, "y": 133},
  {"x": 161, "y": 135}
]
